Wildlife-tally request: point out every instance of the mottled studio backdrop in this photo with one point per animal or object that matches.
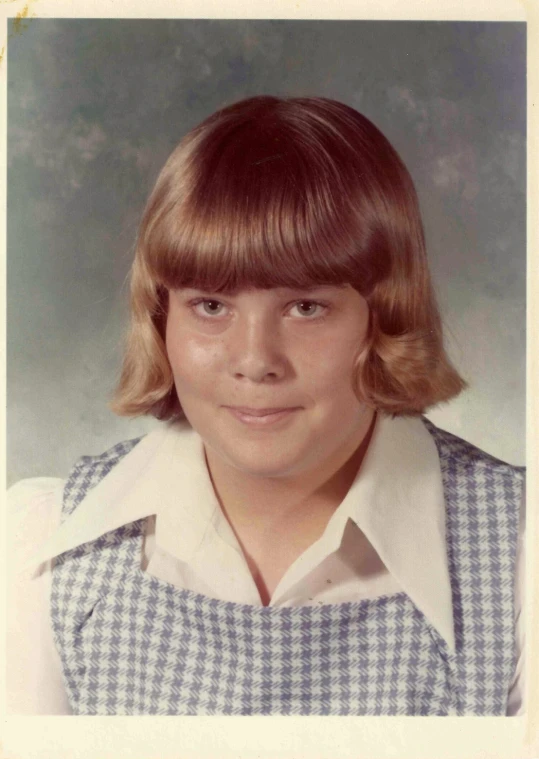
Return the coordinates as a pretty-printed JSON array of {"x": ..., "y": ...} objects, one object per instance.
[{"x": 95, "y": 107}]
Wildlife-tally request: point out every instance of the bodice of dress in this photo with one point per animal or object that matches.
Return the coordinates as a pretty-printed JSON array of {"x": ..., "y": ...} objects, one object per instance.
[{"x": 133, "y": 644}]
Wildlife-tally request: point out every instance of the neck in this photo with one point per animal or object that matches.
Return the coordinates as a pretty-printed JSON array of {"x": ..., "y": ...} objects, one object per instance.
[
  {"x": 276, "y": 519},
  {"x": 308, "y": 496}
]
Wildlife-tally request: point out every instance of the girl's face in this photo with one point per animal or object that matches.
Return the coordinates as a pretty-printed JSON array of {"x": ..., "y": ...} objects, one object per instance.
[{"x": 265, "y": 376}]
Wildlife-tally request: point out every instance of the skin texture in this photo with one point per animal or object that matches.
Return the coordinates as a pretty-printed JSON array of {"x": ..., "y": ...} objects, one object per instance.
[{"x": 278, "y": 482}]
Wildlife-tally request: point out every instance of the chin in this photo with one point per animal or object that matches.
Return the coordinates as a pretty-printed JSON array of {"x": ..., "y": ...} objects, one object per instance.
[{"x": 262, "y": 463}]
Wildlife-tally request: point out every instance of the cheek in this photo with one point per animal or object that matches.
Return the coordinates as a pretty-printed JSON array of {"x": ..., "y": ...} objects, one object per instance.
[
  {"x": 328, "y": 369},
  {"x": 193, "y": 360}
]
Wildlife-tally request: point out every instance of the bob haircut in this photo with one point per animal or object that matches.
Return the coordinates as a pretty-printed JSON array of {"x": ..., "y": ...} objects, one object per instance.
[{"x": 289, "y": 192}]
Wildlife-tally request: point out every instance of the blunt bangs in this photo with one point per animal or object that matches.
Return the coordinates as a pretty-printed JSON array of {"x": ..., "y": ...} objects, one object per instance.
[{"x": 270, "y": 199}]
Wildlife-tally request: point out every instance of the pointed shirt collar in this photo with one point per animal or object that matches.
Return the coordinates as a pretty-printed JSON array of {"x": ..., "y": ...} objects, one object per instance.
[{"x": 397, "y": 500}]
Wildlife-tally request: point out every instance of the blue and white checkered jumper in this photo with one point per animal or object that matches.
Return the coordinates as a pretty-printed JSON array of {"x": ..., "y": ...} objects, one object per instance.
[{"x": 133, "y": 644}]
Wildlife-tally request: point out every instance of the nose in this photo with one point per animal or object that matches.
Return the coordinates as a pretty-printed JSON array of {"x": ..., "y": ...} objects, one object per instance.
[{"x": 256, "y": 351}]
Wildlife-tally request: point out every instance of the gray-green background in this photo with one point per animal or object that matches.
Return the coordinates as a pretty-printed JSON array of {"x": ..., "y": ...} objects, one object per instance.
[{"x": 95, "y": 107}]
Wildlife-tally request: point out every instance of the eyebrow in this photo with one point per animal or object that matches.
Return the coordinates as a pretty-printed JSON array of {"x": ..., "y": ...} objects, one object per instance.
[
  {"x": 308, "y": 289},
  {"x": 314, "y": 288}
]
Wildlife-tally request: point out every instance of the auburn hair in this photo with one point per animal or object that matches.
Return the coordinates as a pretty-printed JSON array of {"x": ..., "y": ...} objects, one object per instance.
[{"x": 289, "y": 192}]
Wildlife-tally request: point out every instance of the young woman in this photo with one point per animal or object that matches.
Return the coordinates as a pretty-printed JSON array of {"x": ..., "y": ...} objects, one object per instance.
[{"x": 295, "y": 538}]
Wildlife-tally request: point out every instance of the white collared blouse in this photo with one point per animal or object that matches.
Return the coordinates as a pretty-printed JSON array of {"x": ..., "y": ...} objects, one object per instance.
[{"x": 387, "y": 535}]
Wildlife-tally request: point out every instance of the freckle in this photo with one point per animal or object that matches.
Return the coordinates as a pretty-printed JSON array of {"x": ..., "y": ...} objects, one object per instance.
[{"x": 328, "y": 582}]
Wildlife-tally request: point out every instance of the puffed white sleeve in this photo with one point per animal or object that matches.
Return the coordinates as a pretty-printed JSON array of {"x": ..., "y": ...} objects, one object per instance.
[{"x": 34, "y": 682}]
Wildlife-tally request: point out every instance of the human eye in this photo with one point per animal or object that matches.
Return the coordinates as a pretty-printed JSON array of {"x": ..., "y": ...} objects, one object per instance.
[
  {"x": 308, "y": 309},
  {"x": 209, "y": 308}
]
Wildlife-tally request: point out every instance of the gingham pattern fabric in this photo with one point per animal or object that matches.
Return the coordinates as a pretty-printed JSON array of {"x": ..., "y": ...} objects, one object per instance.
[{"x": 133, "y": 644}]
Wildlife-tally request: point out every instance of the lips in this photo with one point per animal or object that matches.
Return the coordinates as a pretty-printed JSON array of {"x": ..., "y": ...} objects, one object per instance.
[
  {"x": 260, "y": 411},
  {"x": 261, "y": 417}
]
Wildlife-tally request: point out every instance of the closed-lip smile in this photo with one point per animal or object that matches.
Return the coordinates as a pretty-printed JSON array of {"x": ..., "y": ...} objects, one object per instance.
[
  {"x": 261, "y": 416},
  {"x": 261, "y": 411}
]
